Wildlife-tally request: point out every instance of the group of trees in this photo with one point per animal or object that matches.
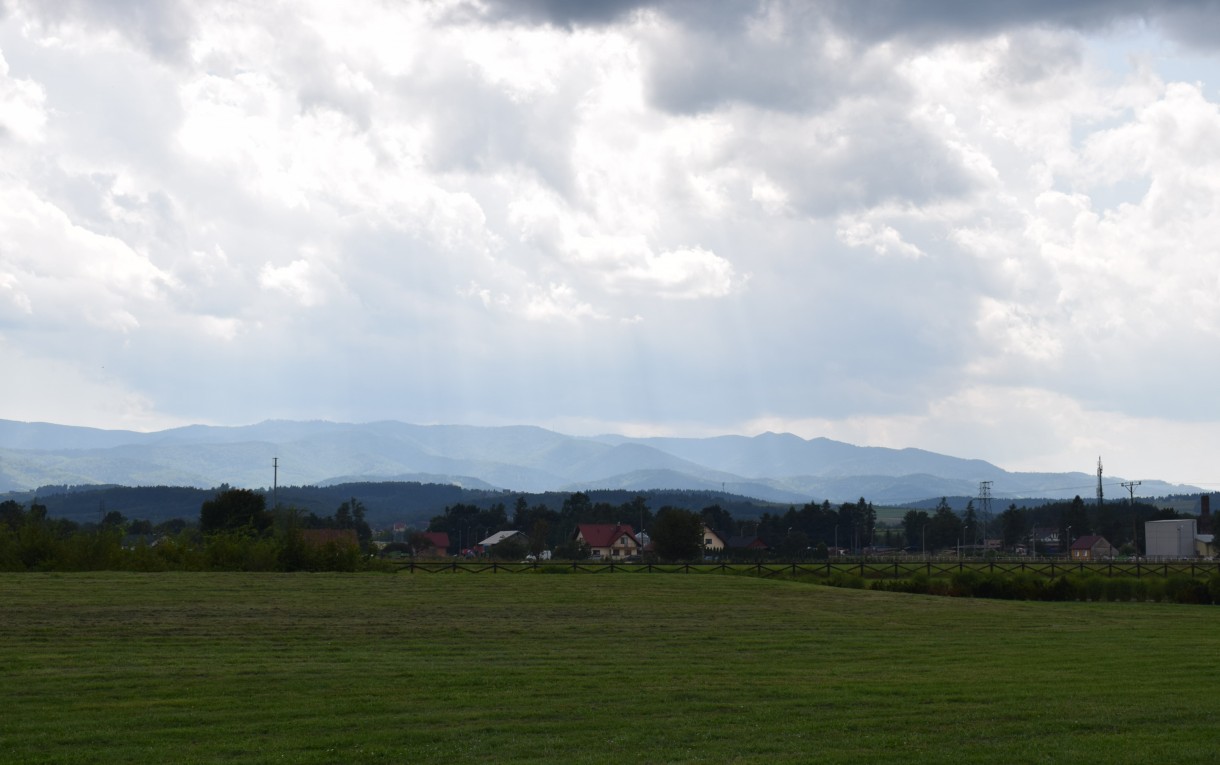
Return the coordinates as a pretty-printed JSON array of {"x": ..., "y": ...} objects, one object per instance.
[
  {"x": 235, "y": 531},
  {"x": 943, "y": 528},
  {"x": 1119, "y": 522},
  {"x": 851, "y": 525}
]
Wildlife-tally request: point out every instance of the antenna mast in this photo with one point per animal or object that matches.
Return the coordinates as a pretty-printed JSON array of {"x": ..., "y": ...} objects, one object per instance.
[
  {"x": 1099, "y": 492},
  {"x": 275, "y": 483}
]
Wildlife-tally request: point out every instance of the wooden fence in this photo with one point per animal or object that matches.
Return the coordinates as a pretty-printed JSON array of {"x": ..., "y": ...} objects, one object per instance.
[{"x": 867, "y": 569}]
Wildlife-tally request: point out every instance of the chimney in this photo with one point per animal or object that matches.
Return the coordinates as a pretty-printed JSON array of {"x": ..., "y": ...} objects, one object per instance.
[{"x": 1205, "y": 514}]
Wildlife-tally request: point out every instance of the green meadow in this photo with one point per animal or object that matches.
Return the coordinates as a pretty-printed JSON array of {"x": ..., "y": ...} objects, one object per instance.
[{"x": 353, "y": 668}]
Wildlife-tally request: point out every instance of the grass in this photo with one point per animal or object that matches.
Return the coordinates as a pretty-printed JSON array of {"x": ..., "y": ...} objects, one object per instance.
[{"x": 321, "y": 668}]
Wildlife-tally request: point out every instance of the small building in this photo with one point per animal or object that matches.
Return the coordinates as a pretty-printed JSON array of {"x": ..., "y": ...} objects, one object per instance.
[
  {"x": 1205, "y": 546},
  {"x": 1092, "y": 547},
  {"x": 748, "y": 543},
  {"x": 437, "y": 544},
  {"x": 1170, "y": 539},
  {"x": 1046, "y": 541},
  {"x": 612, "y": 541},
  {"x": 712, "y": 542},
  {"x": 501, "y": 536}
]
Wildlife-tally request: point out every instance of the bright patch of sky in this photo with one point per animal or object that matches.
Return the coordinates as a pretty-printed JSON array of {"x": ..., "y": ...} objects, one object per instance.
[{"x": 987, "y": 230}]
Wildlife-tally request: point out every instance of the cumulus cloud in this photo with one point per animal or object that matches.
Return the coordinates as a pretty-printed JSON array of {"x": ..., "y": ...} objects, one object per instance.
[
  {"x": 22, "y": 116},
  {"x": 696, "y": 215}
]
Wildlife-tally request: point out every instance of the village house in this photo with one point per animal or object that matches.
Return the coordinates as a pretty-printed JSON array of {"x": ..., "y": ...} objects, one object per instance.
[
  {"x": 750, "y": 543},
  {"x": 1092, "y": 547},
  {"x": 612, "y": 541},
  {"x": 437, "y": 544},
  {"x": 502, "y": 536},
  {"x": 712, "y": 542}
]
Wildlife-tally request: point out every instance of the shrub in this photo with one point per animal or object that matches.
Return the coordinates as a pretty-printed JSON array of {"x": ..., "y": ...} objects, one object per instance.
[
  {"x": 1139, "y": 590},
  {"x": 1119, "y": 589},
  {"x": 964, "y": 583},
  {"x": 841, "y": 579},
  {"x": 1183, "y": 589},
  {"x": 1213, "y": 588},
  {"x": 1092, "y": 588}
]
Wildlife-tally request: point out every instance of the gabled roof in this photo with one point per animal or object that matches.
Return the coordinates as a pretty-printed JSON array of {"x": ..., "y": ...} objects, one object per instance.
[
  {"x": 747, "y": 543},
  {"x": 499, "y": 537},
  {"x": 604, "y": 534},
  {"x": 1087, "y": 542},
  {"x": 439, "y": 539}
]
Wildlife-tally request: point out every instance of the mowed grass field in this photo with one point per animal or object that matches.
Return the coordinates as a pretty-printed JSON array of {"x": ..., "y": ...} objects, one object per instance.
[{"x": 352, "y": 668}]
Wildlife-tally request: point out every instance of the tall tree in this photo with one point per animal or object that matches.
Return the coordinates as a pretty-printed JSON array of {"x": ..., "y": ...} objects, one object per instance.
[
  {"x": 1014, "y": 525},
  {"x": 970, "y": 524},
  {"x": 677, "y": 534},
  {"x": 944, "y": 527},
  {"x": 235, "y": 510},
  {"x": 913, "y": 525}
]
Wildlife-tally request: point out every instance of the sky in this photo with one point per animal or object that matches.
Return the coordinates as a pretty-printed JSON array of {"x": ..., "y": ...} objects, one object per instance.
[{"x": 985, "y": 229}]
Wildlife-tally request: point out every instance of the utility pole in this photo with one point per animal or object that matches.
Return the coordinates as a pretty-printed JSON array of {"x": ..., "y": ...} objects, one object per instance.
[
  {"x": 275, "y": 483},
  {"x": 1135, "y": 538}
]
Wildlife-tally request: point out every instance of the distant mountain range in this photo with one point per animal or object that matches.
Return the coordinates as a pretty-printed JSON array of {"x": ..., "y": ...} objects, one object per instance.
[{"x": 771, "y": 467}]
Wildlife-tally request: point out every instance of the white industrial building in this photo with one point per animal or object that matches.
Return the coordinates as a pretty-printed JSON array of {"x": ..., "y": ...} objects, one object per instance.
[{"x": 1170, "y": 539}]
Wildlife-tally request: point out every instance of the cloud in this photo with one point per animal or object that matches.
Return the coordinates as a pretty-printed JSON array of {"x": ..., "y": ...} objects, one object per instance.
[
  {"x": 566, "y": 13},
  {"x": 42, "y": 389},
  {"x": 22, "y": 113},
  {"x": 301, "y": 280},
  {"x": 702, "y": 216},
  {"x": 61, "y": 273},
  {"x": 162, "y": 28}
]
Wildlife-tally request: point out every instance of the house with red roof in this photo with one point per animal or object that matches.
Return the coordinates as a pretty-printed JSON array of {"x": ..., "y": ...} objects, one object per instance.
[
  {"x": 608, "y": 541},
  {"x": 438, "y": 543},
  {"x": 1092, "y": 547}
]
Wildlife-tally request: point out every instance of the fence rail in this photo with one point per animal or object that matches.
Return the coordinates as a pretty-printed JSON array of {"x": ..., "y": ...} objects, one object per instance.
[{"x": 866, "y": 569}]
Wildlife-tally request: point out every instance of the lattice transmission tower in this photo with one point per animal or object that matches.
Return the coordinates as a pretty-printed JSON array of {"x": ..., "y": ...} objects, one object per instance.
[
  {"x": 985, "y": 505},
  {"x": 1100, "y": 494}
]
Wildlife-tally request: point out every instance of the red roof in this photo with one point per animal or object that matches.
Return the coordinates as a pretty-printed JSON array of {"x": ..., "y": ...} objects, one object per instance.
[
  {"x": 1087, "y": 542},
  {"x": 438, "y": 539},
  {"x": 604, "y": 534}
]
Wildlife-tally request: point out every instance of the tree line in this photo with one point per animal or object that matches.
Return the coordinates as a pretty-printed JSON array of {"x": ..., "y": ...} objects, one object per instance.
[{"x": 235, "y": 531}]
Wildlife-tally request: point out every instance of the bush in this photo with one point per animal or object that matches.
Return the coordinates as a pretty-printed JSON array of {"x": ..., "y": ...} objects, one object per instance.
[
  {"x": 1060, "y": 588},
  {"x": 1092, "y": 588},
  {"x": 1213, "y": 588},
  {"x": 1120, "y": 589},
  {"x": 964, "y": 583},
  {"x": 841, "y": 579},
  {"x": 1183, "y": 589}
]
